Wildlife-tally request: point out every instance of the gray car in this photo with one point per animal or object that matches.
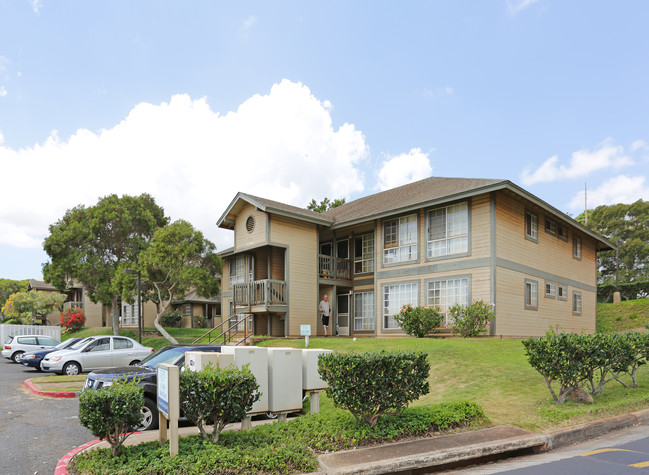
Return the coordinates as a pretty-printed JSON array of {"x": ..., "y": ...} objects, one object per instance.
[{"x": 96, "y": 352}]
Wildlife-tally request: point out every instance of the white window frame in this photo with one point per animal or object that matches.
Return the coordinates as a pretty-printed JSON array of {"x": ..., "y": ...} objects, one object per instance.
[
  {"x": 550, "y": 226},
  {"x": 562, "y": 232},
  {"x": 186, "y": 310},
  {"x": 404, "y": 237},
  {"x": 439, "y": 297},
  {"x": 364, "y": 311},
  {"x": 531, "y": 294},
  {"x": 403, "y": 293},
  {"x": 550, "y": 289},
  {"x": 453, "y": 240},
  {"x": 364, "y": 264},
  {"x": 576, "y": 303},
  {"x": 531, "y": 226}
]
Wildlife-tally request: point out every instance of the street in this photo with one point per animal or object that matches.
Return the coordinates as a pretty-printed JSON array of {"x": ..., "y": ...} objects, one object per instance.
[
  {"x": 35, "y": 431},
  {"x": 620, "y": 452}
]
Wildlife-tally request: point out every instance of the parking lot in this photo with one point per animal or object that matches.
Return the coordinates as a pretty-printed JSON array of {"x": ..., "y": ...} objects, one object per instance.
[{"x": 35, "y": 431}]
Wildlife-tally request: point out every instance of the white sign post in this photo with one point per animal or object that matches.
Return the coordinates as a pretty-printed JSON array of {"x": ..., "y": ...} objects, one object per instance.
[
  {"x": 168, "y": 404},
  {"x": 305, "y": 331}
]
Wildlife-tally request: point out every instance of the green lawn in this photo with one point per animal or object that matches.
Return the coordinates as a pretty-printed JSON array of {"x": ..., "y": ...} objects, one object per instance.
[
  {"x": 622, "y": 316},
  {"x": 495, "y": 374}
]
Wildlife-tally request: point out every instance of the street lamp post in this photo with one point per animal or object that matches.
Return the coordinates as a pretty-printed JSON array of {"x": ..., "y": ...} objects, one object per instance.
[{"x": 139, "y": 303}]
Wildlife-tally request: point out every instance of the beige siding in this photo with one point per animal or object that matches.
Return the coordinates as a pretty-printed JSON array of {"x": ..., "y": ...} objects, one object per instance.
[
  {"x": 548, "y": 259},
  {"x": 513, "y": 319},
  {"x": 242, "y": 238},
  {"x": 302, "y": 241}
]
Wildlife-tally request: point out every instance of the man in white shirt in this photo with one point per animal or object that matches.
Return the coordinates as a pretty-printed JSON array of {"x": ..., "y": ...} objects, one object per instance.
[{"x": 325, "y": 311}]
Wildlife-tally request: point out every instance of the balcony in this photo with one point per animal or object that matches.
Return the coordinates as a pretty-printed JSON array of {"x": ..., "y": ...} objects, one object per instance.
[
  {"x": 260, "y": 295},
  {"x": 336, "y": 268},
  {"x": 71, "y": 304}
]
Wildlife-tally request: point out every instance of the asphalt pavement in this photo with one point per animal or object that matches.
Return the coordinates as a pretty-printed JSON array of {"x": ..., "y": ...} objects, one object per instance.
[{"x": 35, "y": 431}]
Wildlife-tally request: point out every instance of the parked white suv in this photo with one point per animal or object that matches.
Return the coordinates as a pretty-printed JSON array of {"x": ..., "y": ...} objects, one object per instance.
[
  {"x": 96, "y": 352},
  {"x": 14, "y": 346}
]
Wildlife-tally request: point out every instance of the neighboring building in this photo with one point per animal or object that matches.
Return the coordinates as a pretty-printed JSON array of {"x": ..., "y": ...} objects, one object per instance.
[
  {"x": 97, "y": 314},
  {"x": 198, "y": 311},
  {"x": 435, "y": 242}
]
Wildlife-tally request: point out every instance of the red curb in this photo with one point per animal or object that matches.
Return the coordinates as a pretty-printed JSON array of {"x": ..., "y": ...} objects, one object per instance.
[
  {"x": 62, "y": 465},
  {"x": 35, "y": 390}
]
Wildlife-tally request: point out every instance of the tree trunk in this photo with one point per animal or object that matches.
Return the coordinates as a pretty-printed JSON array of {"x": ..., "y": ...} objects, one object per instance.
[
  {"x": 156, "y": 324},
  {"x": 114, "y": 314}
]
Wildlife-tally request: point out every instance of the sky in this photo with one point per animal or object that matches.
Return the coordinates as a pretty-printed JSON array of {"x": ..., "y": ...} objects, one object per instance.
[{"x": 193, "y": 102}]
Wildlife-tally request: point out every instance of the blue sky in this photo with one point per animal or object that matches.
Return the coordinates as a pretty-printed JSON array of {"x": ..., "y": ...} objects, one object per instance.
[{"x": 194, "y": 101}]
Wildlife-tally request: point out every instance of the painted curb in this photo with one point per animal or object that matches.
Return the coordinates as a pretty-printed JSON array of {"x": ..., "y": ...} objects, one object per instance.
[
  {"x": 62, "y": 464},
  {"x": 35, "y": 390}
]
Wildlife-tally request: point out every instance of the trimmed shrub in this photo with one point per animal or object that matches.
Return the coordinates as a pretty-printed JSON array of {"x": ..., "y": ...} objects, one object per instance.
[
  {"x": 471, "y": 320},
  {"x": 73, "y": 319},
  {"x": 418, "y": 321},
  {"x": 171, "y": 319},
  {"x": 372, "y": 384},
  {"x": 215, "y": 396},
  {"x": 575, "y": 361},
  {"x": 112, "y": 412}
]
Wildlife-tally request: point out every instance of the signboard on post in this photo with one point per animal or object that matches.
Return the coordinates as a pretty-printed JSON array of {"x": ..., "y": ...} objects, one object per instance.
[
  {"x": 169, "y": 404},
  {"x": 305, "y": 331}
]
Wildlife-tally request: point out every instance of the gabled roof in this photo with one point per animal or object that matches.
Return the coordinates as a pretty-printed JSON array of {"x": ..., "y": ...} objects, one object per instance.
[
  {"x": 39, "y": 285},
  {"x": 269, "y": 206},
  {"x": 411, "y": 196},
  {"x": 419, "y": 194}
]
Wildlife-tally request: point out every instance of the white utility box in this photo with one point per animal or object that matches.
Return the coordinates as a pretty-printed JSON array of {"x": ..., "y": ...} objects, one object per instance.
[
  {"x": 284, "y": 379},
  {"x": 257, "y": 359},
  {"x": 311, "y": 380},
  {"x": 198, "y": 360}
]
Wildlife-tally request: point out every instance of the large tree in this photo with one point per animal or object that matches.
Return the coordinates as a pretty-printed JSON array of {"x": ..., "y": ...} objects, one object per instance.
[
  {"x": 178, "y": 260},
  {"x": 8, "y": 287},
  {"x": 33, "y": 305},
  {"x": 325, "y": 204},
  {"x": 89, "y": 244},
  {"x": 628, "y": 226}
]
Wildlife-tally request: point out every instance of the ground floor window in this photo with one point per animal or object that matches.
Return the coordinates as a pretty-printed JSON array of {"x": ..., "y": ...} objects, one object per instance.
[
  {"x": 364, "y": 314},
  {"x": 444, "y": 293},
  {"x": 396, "y": 296},
  {"x": 531, "y": 294},
  {"x": 576, "y": 303}
]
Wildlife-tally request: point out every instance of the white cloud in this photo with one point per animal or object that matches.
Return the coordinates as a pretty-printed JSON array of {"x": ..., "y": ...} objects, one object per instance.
[
  {"x": 3, "y": 91},
  {"x": 638, "y": 145},
  {"x": 36, "y": 5},
  {"x": 449, "y": 90},
  {"x": 193, "y": 160},
  {"x": 620, "y": 189},
  {"x": 404, "y": 168},
  {"x": 515, "y": 7},
  {"x": 581, "y": 164},
  {"x": 247, "y": 26}
]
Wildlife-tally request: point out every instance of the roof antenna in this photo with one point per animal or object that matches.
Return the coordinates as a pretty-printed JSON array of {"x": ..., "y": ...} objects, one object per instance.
[{"x": 585, "y": 203}]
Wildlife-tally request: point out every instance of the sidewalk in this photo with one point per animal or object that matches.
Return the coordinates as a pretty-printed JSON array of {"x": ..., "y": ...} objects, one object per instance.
[{"x": 434, "y": 453}]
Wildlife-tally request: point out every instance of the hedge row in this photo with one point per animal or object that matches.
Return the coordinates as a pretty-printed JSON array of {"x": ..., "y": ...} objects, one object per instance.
[
  {"x": 628, "y": 291},
  {"x": 586, "y": 361}
]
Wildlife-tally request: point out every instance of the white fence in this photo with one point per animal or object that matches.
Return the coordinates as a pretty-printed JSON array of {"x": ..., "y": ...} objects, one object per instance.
[{"x": 13, "y": 330}]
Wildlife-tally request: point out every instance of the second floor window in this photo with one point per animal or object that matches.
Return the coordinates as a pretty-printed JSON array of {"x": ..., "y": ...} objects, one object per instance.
[
  {"x": 576, "y": 247},
  {"x": 448, "y": 230},
  {"x": 531, "y": 226},
  {"x": 400, "y": 239},
  {"x": 237, "y": 270},
  {"x": 364, "y": 254}
]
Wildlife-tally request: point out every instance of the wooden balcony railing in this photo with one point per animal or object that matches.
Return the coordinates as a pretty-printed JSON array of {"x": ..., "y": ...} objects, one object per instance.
[
  {"x": 334, "y": 267},
  {"x": 67, "y": 305},
  {"x": 260, "y": 292}
]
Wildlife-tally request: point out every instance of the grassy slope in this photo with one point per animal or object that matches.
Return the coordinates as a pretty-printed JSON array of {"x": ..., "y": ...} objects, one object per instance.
[
  {"x": 491, "y": 372},
  {"x": 626, "y": 315}
]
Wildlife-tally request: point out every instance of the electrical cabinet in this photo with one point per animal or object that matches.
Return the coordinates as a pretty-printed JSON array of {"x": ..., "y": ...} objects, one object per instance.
[
  {"x": 311, "y": 380},
  {"x": 257, "y": 359},
  {"x": 284, "y": 379},
  {"x": 197, "y": 360}
]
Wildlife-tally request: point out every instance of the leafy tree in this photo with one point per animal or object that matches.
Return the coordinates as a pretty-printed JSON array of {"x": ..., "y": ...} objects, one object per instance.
[
  {"x": 178, "y": 260},
  {"x": 325, "y": 205},
  {"x": 90, "y": 244},
  {"x": 8, "y": 287},
  {"x": 419, "y": 321},
  {"x": 32, "y": 305},
  {"x": 628, "y": 225},
  {"x": 471, "y": 320}
]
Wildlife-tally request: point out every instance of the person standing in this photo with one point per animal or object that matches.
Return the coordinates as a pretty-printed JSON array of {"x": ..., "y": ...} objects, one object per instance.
[{"x": 325, "y": 311}]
